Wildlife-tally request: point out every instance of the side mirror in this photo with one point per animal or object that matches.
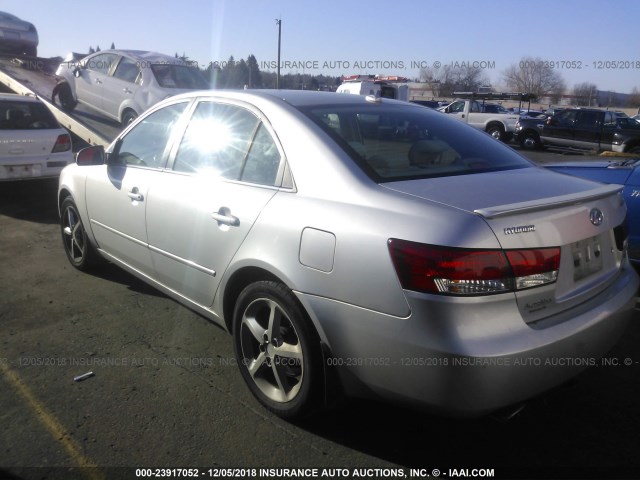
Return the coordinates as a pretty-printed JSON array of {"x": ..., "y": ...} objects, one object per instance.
[
  {"x": 551, "y": 121},
  {"x": 91, "y": 156}
]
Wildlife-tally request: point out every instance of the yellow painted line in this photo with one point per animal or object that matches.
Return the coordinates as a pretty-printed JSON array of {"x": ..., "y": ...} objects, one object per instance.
[{"x": 90, "y": 469}]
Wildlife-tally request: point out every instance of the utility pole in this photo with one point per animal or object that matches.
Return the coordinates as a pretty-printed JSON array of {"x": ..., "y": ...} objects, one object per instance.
[{"x": 279, "y": 23}]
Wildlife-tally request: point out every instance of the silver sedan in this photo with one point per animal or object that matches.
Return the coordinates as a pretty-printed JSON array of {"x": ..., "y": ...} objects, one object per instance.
[{"x": 360, "y": 242}]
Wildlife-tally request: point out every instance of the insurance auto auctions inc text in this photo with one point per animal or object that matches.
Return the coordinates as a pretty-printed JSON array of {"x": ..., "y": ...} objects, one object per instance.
[{"x": 357, "y": 473}]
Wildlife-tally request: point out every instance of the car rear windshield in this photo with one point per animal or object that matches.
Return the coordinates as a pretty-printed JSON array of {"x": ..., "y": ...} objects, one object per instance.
[
  {"x": 16, "y": 115},
  {"x": 392, "y": 142},
  {"x": 179, "y": 76}
]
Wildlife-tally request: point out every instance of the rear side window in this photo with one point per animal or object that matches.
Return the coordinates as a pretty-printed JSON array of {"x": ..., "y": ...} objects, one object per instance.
[
  {"x": 179, "y": 76},
  {"x": 588, "y": 119},
  {"x": 128, "y": 70},
  {"x": 25, "y": 116},
  {"x": 228, "y": 141},
  {"x": 396, "y": 142}
]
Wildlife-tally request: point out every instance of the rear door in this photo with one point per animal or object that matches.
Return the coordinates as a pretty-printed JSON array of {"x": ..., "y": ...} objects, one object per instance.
[
  {"x": 608, "y": 129},
  {"x": 120, "y": 88},
  {"x": 587, "y": 129},
  {"x": 226, "y": 169}
]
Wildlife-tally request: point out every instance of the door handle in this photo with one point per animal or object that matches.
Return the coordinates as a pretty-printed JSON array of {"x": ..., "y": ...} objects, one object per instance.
[
  {"x": 97, "y": 80},
  {"x": 126, "y": 90},
  {"x": 135, "y": 194},
  {"x": 225, "y": 218}
]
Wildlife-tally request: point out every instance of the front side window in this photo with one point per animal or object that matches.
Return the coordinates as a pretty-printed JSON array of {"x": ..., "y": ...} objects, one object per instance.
[
  {"x": 393, "y": 142},
  {"x": 102, "y": 63},
  {"x": 144, "y": 145},
  {"x": 566, "y": 117}
]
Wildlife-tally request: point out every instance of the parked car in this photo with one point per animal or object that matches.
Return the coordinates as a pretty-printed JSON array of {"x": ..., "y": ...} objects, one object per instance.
[
  {"x": 580, "y": 128},
  {"x": 359, "y": 241},
  {"x": 17, "y": 36},
  {"x": 121, "y": 84},
  {"x": 625, "y": 172},
  {"x": 427, "y": 103},
  {"x": 32, "y": 143}
]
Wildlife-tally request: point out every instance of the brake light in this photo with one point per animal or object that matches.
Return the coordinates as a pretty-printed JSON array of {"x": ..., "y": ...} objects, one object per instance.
[
  {"x": 63, "y": 144},
  {"x": 458, "y": 271}
]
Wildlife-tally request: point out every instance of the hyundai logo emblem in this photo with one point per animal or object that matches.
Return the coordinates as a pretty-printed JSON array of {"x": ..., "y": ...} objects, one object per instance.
[{"x": 596, "y": 216}]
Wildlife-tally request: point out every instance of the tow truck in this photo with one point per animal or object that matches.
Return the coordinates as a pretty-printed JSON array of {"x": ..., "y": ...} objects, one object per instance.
[
  {"x": 393, "y": 87},
  {"x": 34, "y": 76},
  {"x": 469, "y": 107}
]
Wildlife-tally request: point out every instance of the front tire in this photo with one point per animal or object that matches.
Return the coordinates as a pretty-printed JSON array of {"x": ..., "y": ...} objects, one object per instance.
[
  {"x": 128, "y": 117},
  {"x": 277, "y": 349},
  {"x": 79, "y": 250},
  {"x": 65, "y": 98},
  {"x": 530, "y": 141}
]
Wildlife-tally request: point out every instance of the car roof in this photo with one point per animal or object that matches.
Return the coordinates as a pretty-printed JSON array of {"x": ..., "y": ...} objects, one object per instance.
[
  {"x": 297, "y": 98},
  {"x": 144, "y": 55}
]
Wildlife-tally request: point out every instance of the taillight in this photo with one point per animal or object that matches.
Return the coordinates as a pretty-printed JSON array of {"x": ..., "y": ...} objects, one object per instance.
[
  {"x": 63, "y": 144},
  {"x": 459, "y": 271}
]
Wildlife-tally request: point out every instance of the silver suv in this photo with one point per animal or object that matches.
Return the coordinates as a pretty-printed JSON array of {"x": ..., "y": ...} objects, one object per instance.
[{"x": 121, "y": 84}]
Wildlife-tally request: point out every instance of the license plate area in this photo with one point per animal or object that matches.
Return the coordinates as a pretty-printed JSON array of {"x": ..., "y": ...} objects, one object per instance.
[
  {"x": 587, "y": 257},
  {"x": 20, "y": 171}
]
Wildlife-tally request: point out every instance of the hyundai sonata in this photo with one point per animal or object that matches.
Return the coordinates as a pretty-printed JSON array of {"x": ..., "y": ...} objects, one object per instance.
[{"x": 377, "y": 243}]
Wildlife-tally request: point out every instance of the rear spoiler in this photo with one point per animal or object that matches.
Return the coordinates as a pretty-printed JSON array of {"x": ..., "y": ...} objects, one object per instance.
[{"x": 552, "y": 202}]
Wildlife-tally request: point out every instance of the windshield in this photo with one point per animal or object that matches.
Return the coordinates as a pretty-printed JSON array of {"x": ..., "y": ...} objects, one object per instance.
[
  {"x": 399, "y": 142},
  {"x": 179, "y": 76}
]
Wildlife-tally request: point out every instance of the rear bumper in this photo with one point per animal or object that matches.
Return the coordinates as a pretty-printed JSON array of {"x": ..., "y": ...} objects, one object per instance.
[
  {"x": 29, "y": 168},
  {"x": 469, "y": 357}
]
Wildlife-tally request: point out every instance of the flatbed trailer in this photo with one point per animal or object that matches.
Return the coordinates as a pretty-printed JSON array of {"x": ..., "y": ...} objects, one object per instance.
[{"x": 30, "y": 76}]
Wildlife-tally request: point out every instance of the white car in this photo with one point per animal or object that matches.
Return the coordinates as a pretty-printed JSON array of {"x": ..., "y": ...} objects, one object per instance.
[
  {"x": 32, "y": 143},
  {"x": 122, "y": 84}
]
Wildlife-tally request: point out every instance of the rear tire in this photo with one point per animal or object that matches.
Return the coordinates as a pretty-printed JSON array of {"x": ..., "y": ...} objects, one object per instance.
[
  {"x": 496, "y": 131},
  {"x": 634, "y": 150},
  {"x": 77, "y": 246},
  {"x": 277, "y": 349}
]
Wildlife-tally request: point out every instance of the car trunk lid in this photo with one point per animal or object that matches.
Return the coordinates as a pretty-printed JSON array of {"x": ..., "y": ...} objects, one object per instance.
[{"x": 531, "y": 209}]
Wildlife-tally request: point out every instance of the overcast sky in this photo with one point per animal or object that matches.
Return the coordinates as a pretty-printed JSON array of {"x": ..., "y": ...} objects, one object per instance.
[{"x": 594, "y": 41}]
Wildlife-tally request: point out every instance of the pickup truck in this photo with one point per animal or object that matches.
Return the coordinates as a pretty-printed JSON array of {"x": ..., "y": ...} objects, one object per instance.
[
  {"x": 500, "y": 125},
  {"x": 582, "y": 128}
]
